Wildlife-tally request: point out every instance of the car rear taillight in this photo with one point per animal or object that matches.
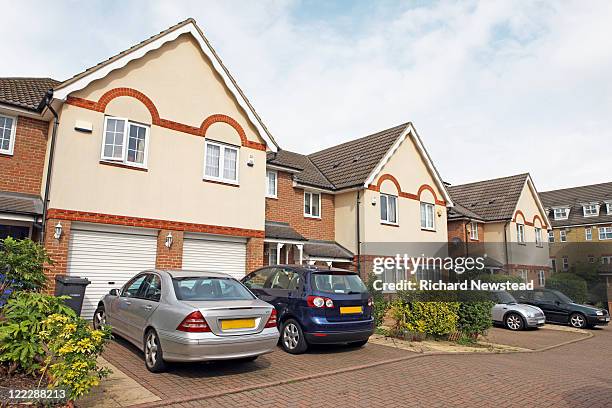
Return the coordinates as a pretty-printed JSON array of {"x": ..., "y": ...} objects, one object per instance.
[
  {"x": 370, "y": 302},
  {"x": 272, "y": 319},
  {"x": 194, "y": 323},
  {"x": 319, "y": 301}
]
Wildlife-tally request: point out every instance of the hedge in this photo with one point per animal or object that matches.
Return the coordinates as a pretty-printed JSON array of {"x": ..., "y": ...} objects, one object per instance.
[{"x": 573, "y": 286}]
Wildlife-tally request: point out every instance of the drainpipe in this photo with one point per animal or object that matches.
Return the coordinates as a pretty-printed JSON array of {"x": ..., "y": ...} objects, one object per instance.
[
  {"x": 358, "y": 234},
  {"x": 48, "y": 99},
  {"x": 506, "y": 240}
]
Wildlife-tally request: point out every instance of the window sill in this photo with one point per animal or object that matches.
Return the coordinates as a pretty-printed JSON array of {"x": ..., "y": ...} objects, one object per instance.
[
  {"x": 389, "y": 224},
  {"x": 428, "y": 229},
  {"x": 6, "y": 154},
  {"x": 312, "y": 217},
  {"x": 123, "y": 165},
  {"x": 272, "y": 197},
  {"x": 223, "y": 183},
  {"x": 522, "y": 243}
]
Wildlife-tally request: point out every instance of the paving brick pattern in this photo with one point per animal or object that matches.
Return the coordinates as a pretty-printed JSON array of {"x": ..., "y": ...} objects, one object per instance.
[{"x": 532, "y": 339}]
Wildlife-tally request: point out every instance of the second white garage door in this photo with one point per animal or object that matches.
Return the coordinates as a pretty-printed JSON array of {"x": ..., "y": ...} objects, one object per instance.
[
  {"x": 108, "y": 258},
  {"x": 215, "y": 254}
]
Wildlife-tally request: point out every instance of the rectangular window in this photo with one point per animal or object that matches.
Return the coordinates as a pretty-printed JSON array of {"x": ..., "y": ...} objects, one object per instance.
[
  {"x": 590, "y": 210},
  {"x": 524, "y": 275},
  {"x": 609, "y": 208},
  {"x": 312, "y": 204},
  {"x": 125, "y": 142},
  {"x": 538, "y": 236},
  {"x": 553, "y": 265},
  {"x": 427, "y": 216},
  {"x": 561, "y": 213},
  {"x": 588, "y": 234},
  {"x": 542, "y": 278},
  {"x": 388, "y": 209},
  {"x": 520, "y": 233},
  {"x": 565, "y": 264},
  {"x": 272, "y": 260},
  {"x": 7, "y": 134},
  {"x": 473, "y": 231},
  {"x": 221, "y": 163},
  {"x": 605, "y": 233},
  {"x": 563, "y": 235},
  {"x": 551, "y": 236},
  {"x": 591, "y": 259},
  {"x": 271, "y": 183}
]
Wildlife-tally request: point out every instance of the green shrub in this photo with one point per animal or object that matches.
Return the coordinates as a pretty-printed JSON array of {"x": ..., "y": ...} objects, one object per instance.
[
  {"x": 380, "y": 304},
  {"x": 24, "y": 313},
  {"x": 573, "y": 286},
  {"x": 433, "y": 318},
  {"x": 22, "y": 264},
  {"x": 72, "y": 349},
  {"x": 474, "y": 317}
]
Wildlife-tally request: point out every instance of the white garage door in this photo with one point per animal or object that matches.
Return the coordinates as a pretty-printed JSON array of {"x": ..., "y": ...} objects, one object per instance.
[
  {"x": 109, "y": 259},
  {"x": 215, "y": 255}
]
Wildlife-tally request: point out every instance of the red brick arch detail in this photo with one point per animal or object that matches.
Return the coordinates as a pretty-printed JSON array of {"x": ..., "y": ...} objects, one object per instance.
[
  {"x": 542, "y": 223},
  {"x": 390, "y": 178},
  {"x": 517, "y": 213},
  {"x": 224, "y": 119},
  {"x": 132, "y": 93},
  {"x": 404, "y": 194}
]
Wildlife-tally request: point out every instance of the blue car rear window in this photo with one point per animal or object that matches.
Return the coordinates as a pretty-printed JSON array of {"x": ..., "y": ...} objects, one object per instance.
[{"x": 335, "y": 282}]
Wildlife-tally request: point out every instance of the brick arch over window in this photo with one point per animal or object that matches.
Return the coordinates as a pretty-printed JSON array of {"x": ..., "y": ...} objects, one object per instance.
[
  {"x": 390, "y": 178},
  {"x": 432, "y": 191},
  {"x": 517, "y": 213},
  {"x": 537, "y": 217},
  {"x": 101, "y": 104}
]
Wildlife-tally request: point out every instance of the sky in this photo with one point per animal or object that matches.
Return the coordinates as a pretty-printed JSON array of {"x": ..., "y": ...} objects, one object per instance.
[{"x": 494, "y": 88}]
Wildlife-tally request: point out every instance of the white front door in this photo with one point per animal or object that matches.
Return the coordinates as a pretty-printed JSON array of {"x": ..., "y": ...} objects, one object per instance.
[
  {"x": 108, "y": 258},
  {"x": 215, "y": 254}
]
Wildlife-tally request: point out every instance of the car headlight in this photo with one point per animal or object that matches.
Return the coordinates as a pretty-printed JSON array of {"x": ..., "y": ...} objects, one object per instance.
[
  {"x": 530, "y": 314},
  {"x": 599, "y": 313}
]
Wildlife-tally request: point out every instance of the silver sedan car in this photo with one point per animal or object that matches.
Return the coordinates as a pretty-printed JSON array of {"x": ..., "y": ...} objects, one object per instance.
[
  {"x": 514, "y": 315},
  {"x": 189, "y": 316}
]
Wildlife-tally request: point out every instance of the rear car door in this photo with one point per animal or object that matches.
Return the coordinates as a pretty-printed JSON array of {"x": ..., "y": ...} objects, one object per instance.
[
  {"x": 547, "y": 301},
  {"x": 259, "y": 282},
  {"x": 283, "y": 285}
]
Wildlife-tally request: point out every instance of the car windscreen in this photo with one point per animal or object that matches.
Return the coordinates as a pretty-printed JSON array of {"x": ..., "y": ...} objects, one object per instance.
[
  {"x": 504, "y": 297},
  {"x": 563, "y": 297},
  {"x": 338, "y": 282},
  {"x": 209, "y": 288}
]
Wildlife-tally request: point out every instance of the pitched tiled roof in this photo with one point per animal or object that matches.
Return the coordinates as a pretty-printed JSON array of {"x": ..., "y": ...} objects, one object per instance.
[
  {"x": 574, "y": 198},
  {"x": 18, "y": 203},
  {"x": 308, "y": 174},
  {"x": 27, "y": 93},
  {"x": 282, "y": 230},
  {"x": 326, "y": 249},
  {"x": 491, "y": 200},
  {"x": 458, "y": 211}
]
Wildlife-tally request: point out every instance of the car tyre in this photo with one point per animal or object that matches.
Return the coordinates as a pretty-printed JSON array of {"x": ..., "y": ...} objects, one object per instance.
[
  {"x": 154, "y": 356},
  {"x": 99, "y": 318},
  {"x": 514, "y": 321},
  {"x": 292, "y": 337},
  {"x": 359, "y": 343},
  {"x": 578, "y": 320}
]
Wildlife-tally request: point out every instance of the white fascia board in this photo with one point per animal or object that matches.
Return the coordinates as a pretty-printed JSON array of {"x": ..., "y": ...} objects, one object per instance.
[
  {"x": 424, "y": 155},
  {"x": 535, "y": 194},
  {"x": 63, "y": 92}
]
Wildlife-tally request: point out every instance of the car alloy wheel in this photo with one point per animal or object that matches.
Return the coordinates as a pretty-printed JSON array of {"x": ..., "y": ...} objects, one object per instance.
[
  {"x": 578, "y": 321},
  {"x": 99, "y": 318},
  {"x": 291, "y": 336},
  {"x": 153, "y": 352},
  {"x": 514, "y": 322}
]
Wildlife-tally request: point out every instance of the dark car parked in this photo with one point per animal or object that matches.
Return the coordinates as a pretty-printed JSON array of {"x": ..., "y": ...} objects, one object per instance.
[
  {"x": 315, "y": 305},
  {"x": 559, "y": 308}
]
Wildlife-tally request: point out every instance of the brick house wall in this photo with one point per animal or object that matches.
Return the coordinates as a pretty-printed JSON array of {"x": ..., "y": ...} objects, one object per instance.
[
  {"x": 57, "y": 249},
  {"x": 289, "y": 207},
  {"x": 169, "y": 258},
  {"x": 22, "y": 172}
]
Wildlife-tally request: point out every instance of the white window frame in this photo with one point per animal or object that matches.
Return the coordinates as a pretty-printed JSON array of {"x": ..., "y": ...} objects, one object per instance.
[
  {"x": 553, "y": 264},
  {"x": 588, "y": 233},
  {"x": 520, "y": 233},
  {"x": 272, "y": 252},
  {"x": 609, "y": 207},
  {"x": 558, "y": 216},
  {"x": 541, "y": 278},
  {"x": 268, "y": 194},
  {"x": 12, "y": 136},
  {"x": 524, "y": 275},
  {"x": 551, "y": 236},
  {"x": 387, "y": 197},
  {"x": 565, "y": 264},
  {"x": 222, "y": 148},
  {"x": 593, "y": 210},
  {"x": 424, "y": 205},
  {"x": 538, "y": 236},
  {"x": 474, "y": 231},
  {"x": 562, "y": 236},
  {"x": 310, "y": 194},
  {"x": 124, "y": 153},
  {"x": 605, "y": 233}
]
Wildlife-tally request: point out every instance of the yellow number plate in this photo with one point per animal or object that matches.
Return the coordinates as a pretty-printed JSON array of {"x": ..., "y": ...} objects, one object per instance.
[
  {"x": 351, "y": 309},
  {"x": 237, "y": 324}
]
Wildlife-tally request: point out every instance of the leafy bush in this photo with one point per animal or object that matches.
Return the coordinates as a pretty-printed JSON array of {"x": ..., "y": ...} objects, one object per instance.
[
  {"x": 22, "y": 265},
  {"x": 573, "y": 286},
  {"x": 72, "y": 349},
  {"x": 474, "y": 317},
  {"x": 24, "y": 313},
  {"x": 380, "y": 304},
  {"x": 433, "y": 318}
]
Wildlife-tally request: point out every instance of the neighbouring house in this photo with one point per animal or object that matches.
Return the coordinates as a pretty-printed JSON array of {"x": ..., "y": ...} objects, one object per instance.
[
  {"x": 504, "y": 219},
  {"x": 158, "y": 160},
  {"x": 343, "y": 205},
  {"x": 581, "y": 234}
]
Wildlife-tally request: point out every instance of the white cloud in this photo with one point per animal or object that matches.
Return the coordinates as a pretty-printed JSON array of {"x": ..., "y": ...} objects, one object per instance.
[{"x": 493, "y": 87}]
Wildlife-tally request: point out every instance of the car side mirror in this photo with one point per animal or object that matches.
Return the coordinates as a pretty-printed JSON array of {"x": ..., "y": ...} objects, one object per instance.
[
  {"x": 114, "y": 292},
  {"x": 557, "y": 302}
]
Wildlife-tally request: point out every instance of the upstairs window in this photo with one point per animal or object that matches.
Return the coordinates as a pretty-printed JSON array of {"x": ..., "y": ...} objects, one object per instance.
[
  {"x": 551, "y": 236},
  {"x": 588, "y": 234},
  {"x": 7, "y": 134},
  {"x": 609, "y": 207},
  {"x": 271, "y": 183},
  {"x": 561, "y": 213},
  {"x": 542, "y": 278},
  {"x": 605, "y": 233},
  {"x": 388, "y": 209},
  {"x": 538, "y": 236},
  {"x": 590, "y": 210},
  {"x": 520, "y": 233},
  {"x": 473, "y": 231},
  {"x": 221, "y": 163},
  {"x": 312, "y": 204},
  {"x": 563, "y": 235},
  {"x": 427, "y": 217},
  {"x": 125, "y": 142}
]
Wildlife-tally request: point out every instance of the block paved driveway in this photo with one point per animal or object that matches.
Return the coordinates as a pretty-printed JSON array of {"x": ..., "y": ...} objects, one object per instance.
[{"x": 574, "y": 375}]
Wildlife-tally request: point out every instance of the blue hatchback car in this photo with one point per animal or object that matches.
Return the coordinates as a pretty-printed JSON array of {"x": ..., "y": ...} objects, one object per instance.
[{"x": 315, "y": 305}]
